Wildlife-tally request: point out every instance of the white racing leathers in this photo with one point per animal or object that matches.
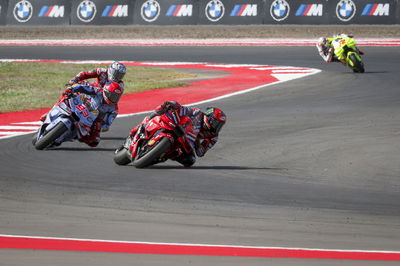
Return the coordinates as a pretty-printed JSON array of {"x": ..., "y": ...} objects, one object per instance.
[{"x": 73, "y": 117}]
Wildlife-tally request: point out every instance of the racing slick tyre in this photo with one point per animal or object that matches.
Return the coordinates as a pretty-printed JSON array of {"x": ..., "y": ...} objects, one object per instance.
[
  {"x": 51, "y": 136},
  {"x": 358, "y": 65},
  {"x": 151, "y": 155},
  {"x": 34, "y": 139},
  {"x": 122, "y": 156}
]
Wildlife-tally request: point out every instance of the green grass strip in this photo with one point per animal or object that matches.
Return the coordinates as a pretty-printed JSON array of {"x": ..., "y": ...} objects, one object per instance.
[{"x": 31, "y": 86}]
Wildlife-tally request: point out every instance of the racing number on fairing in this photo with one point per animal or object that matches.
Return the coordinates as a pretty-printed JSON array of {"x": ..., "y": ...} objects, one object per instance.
[{"x": 83, "y": 110}]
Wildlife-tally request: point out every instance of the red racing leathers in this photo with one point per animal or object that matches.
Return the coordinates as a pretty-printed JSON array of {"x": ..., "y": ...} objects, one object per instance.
[
  {"x": 100, "y": 74},
  {"x": 205, "y": 140}
]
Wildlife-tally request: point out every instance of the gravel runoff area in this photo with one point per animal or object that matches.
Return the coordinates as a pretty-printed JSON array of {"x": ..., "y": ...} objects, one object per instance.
[{"x": 196, "y": 31}]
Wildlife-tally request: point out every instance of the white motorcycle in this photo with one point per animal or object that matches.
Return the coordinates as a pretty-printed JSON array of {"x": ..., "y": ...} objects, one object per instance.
[{"x": 69, "y": 119}]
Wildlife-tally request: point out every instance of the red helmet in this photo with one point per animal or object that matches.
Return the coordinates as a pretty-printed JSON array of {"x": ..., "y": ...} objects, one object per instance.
[
  {"x": 112, "y": 92},
  {"x": 214, "y": 119}
]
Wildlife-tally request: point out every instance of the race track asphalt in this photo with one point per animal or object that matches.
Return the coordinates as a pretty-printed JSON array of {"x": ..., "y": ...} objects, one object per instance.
[{"x": 310, "y": 163}]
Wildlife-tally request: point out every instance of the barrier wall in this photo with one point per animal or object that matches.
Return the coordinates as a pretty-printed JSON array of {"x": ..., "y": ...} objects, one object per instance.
[
  {"x": 231, "y": 12},
  {"x": 3, "y": 11},
  {"x": 166, "y": 12},
  {"x": 38, "y": 12},
  {"x": 193, "y": 12},
  {"x": 102, "y": 12},
  {"x": 364, "y": 12}
]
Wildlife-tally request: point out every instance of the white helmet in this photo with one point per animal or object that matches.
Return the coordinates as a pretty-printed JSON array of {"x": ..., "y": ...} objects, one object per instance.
[
  {"x": 322, "y": 42},
  {"x": 116, "y": 72}
]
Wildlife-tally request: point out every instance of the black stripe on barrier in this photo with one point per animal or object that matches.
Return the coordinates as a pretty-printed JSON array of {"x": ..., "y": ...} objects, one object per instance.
[{"x": 193, "y": 12}]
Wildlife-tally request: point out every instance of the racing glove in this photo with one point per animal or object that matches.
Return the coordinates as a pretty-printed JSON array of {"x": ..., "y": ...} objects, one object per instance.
[
  {"x": 71, "y": 82},
  {"x": 166, "y": 106},
  {"x": 169, "y": 106},
  {"x": 200, "y": 151},
  {"x": 329, "y": 55},
  {"x": 67, "y": 93}
]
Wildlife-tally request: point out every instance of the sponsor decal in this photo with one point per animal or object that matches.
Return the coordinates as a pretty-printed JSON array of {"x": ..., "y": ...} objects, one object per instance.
[
  {"x": 115, "y": 11},
  {"x": 150, "y": 10},
  {"x": 311, "y": 10},
  {"x": 279, "y": 10},
  {"x": 52, "y": 11},
  {"x": 180, "y": 11},
  {"x": 215, "y": 10},
  {"x": 345, "y": 10},
  {"x": 376, "y": 10},
  {"x": 244, "y": 11},
  {"x": 86, "y": 11},
  {"x": 23, "y": 11}
]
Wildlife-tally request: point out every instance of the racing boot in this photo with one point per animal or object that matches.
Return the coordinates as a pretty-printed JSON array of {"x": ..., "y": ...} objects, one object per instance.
[{"x": 187, "y": 160}]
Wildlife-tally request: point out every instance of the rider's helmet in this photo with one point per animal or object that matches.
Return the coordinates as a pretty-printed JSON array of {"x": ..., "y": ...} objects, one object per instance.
[
  {"x": 112, "y": 92},
  {"x": 322, "y": 42},
  {"x": 116, "y": 72},
  {"x": 214, "y": 119}
]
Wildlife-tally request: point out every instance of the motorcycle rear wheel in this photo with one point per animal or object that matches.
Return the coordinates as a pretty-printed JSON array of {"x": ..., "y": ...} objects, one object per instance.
[
  {"x": 51, "y": 136},
  {"x": 358, "y": 65},
  {"x": 153, "y": 154}
]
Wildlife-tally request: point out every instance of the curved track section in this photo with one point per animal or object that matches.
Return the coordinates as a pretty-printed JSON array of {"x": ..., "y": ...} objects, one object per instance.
[{"x": 312, "y": 163}]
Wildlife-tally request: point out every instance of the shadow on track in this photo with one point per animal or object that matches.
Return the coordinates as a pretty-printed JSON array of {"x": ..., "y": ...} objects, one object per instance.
[
  {"x": 218, "y": 167},
  {"x": 366, "y": 72},
  {"x": 114, "y": 138},
  {"x": 82, "y": 149}
]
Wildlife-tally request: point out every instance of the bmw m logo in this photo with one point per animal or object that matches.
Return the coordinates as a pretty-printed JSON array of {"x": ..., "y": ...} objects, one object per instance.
[
  {"x": 280, "y": 10},
  {"x": 86, "y": 11},
  {"x": 23, "y": 11},
  {"x": 345, "y": 10},
  {"x": 215, "y": 10},
  {"x": 150, "y": 10}
]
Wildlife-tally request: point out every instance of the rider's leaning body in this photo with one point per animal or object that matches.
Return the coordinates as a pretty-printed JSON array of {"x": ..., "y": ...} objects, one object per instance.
[
  {"x": 329, "y": 48},
  {"x": 107, "y": 112},
  {"x": 105, "y": 101},
  {"x": 204, "y": 135}
]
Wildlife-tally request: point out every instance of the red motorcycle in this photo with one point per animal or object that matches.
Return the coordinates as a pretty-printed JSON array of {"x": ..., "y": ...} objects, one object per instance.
[{"x": 158, "y": 139}]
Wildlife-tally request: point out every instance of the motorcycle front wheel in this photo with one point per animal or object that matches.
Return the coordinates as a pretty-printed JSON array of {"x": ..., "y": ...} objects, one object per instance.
[
  {"x": 51, "y": 136},
  {"x": 150, "y": 155},
  {"x": 358, "y": 65}
]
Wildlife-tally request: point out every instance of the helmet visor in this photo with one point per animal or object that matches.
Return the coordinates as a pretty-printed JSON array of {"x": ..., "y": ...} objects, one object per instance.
[
  {"x": 112, "y": 96},
  {"x": 215, "y": 125},
  {"x": 115, "y": 75}
]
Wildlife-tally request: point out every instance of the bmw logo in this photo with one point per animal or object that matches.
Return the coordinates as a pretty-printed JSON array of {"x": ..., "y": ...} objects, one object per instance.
[
  {"x": 23, "y": 11},
  {"x": 150, "y": 10},
  {"x": 345, "y": 10},
  {"x": 86, "y": 11},
  {"x": 215, "y": 10},
  {"x": 280, "y": 10}
]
